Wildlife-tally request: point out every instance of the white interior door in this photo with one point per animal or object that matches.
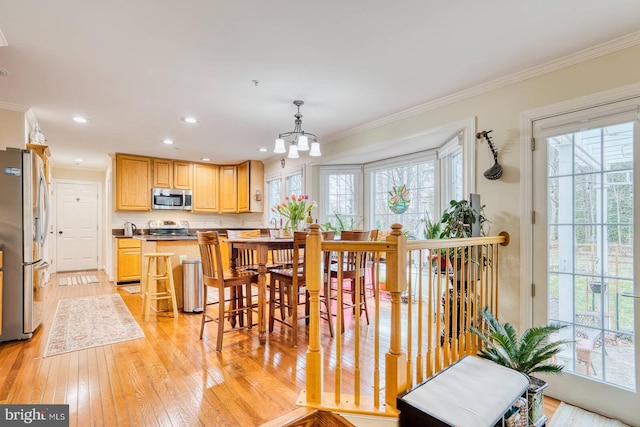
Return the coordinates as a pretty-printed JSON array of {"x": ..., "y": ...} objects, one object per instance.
[
  {"x": 76, "y": 226},
  {"x": 584, "y": 261}
]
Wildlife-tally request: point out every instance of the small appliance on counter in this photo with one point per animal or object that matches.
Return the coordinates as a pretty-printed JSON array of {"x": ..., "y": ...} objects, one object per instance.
[
  {"x": 129, "y": 229},
  {"x": 169, "y": 228}
]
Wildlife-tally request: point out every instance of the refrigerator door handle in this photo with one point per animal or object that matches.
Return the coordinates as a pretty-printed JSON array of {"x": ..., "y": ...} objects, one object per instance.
[
  {"x": 42, "y": 209},
  {"x": 41, "y": 266}
]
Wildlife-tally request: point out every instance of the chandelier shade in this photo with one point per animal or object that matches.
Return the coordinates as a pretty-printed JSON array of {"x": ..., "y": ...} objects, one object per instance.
[{"x": 297, "y": 139}]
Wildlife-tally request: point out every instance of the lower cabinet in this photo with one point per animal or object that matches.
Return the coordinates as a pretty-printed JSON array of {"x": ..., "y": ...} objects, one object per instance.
[{"x": 128, "y": 260}]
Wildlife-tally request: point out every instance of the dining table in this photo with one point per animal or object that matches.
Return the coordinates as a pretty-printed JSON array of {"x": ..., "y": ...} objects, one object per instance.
[{"x": 262, "y": 246}]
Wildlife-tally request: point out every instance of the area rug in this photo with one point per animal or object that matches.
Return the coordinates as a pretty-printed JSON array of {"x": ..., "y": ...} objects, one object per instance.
[
  {"x": 81, "y": 279},
  {"x": 86, "y": 322},
  {"x": 570, "y": 416},
  {"x": 131, "y": 289}
]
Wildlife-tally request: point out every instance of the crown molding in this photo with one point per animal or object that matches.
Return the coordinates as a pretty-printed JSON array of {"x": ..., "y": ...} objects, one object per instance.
[
  {"x": 584, "y": 55},
  {"x": 13, "y": 107}
]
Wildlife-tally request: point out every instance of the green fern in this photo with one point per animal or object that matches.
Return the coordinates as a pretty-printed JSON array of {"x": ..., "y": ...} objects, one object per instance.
[{"x": 528, "y": 354}]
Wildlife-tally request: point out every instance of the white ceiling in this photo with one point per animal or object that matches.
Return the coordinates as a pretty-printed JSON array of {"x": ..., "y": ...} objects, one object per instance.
[{"x": 134, "y": 68}]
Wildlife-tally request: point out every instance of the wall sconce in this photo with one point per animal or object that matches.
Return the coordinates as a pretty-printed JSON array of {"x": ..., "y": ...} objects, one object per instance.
[
  {"x": 283, "y": 162},
  {"x": 258, "y": 196}
]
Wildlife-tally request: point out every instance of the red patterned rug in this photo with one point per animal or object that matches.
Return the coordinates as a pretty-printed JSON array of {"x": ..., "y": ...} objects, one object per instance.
[{"x": 87, "y": 322}]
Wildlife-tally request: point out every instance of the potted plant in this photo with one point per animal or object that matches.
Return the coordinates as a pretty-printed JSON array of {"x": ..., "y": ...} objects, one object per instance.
[
  {"x": 531, "y": 353},
  {"x": 339, "y": 225}
]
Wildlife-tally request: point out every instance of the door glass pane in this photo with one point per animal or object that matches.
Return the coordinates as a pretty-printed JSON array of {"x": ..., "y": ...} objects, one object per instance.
[{"x": 590, "y": 252}]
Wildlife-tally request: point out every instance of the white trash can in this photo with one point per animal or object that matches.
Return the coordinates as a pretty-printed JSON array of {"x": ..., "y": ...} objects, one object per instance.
[{"x": 192, "y": 286}]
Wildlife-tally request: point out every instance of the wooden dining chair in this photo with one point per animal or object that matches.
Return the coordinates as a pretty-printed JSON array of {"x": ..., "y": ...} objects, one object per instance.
[
  {"x": 372, "y": 262},
  {"x": 287, "y": 288},
  {"x": 231, "y": 285},
  {"x": 354, "y": 267},
  {"x": 247, "y": 258}
]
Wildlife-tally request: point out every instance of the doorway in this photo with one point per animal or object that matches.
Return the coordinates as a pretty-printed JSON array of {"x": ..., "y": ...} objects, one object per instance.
[
  {"x": 77, "y": 219},
  {"x": 583, "y": 258}
]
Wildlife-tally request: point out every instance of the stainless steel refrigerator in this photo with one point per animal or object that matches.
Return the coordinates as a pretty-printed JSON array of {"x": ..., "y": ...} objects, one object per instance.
[{"x": 23, "y": 229}]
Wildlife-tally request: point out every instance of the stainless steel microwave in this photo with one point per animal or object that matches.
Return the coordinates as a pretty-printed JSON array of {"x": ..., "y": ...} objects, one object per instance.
[{"x": 166, "y": 198}]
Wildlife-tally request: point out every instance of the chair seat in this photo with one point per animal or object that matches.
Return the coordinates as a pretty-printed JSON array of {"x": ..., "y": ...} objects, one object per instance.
[{"x": 288, "y": 272}]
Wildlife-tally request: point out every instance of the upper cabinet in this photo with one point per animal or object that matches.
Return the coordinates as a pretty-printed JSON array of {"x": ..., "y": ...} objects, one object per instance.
[
  {"x": 171, "y": 174},
  {"x": 182, "y": 175},
  {"x": 228, "y": 189},
  {"x": 133, "y": 183},
  {"x": 43, "y": 152},
  {"x": 250, "y": 186},
  {"x": 215, "y": 189},
  {"x": 205, "y": 188}
]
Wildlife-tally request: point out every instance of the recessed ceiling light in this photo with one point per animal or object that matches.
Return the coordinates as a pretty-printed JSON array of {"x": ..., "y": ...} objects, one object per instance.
[
  {"x": 168, "y": 141},
  {"x": 190, "y": 120},
  {"x": 78, "y": 160},
  {"x": 262, "y": 150},
  {"x": 205, "y": 159},
  {"x": 80, "y": 119}
]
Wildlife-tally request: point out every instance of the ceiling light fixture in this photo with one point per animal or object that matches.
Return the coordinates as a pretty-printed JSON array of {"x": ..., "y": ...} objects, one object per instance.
[
  {"x": 262, "y": 150},
  {"x": 167, "y": 141},
  {"x": 299, "y": 139},
  {"x": 190, "y": 120},
  {"x": 80, "y": 119},
  {"x": 205, "y": 159}
]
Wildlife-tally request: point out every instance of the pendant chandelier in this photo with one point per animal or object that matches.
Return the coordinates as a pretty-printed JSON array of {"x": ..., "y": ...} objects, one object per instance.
[{"x": 297, "y": 139}]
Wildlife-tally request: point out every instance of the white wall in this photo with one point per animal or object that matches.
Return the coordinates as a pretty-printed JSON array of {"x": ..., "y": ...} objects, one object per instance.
[
  {"x": 499, "y": 110},
  {"x": 12, "y": 129}
]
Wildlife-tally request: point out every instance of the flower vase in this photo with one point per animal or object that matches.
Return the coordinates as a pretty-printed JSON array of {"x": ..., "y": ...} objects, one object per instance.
[{"x": 294, "y": 225}]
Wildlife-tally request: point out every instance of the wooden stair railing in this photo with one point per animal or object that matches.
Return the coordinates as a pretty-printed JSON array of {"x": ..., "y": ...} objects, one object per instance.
[{"x": 419, "y": 319}]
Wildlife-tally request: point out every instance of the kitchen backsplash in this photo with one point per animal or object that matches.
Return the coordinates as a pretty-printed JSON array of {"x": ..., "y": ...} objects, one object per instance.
[{"x": 140, "y": 219}]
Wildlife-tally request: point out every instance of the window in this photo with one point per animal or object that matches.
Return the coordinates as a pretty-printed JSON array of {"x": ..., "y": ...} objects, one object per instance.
[
  {"x": 430, "y": 178},
  {"x": 342, "y": 195},
  {"x": 273, "y": 191},
  {"x": 403, "y": 191},
  {"x": 450, "y": 156},
  {"x": 293, "y": 184}
]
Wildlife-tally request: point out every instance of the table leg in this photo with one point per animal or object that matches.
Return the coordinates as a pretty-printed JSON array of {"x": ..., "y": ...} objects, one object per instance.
[{"x": 262, "y": 293}]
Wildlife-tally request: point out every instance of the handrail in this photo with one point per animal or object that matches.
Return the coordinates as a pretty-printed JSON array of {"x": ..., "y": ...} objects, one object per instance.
[{"x": 425, "y": 319}]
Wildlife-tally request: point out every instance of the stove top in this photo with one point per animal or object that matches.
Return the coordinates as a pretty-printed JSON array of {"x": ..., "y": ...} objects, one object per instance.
[{"x": 169, "y": 228}]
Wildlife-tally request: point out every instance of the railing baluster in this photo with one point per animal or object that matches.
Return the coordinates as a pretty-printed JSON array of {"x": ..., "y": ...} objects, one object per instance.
[{"x": 453, "y": 300}]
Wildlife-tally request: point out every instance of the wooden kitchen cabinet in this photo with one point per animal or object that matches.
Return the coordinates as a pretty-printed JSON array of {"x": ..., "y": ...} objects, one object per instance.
[
  {"x": 171, "y": 174},
  {"x": 133, "y": 183},
  {"x": 128, "y": 260},
  {"x": 182, "y": 175},
  {"x": 250, "y": 186},
  {"x": 228, "y": 189},
  {"x": 205, "y": 188},
  {"x": 43, "y": 152}
]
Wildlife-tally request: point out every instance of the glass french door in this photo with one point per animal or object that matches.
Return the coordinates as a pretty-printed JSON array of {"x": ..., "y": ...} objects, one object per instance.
[{"x": 584, "y": 260}]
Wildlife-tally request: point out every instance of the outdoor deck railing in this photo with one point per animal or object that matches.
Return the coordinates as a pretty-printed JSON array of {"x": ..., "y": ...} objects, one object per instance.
[{"x": 426, "y": 296}]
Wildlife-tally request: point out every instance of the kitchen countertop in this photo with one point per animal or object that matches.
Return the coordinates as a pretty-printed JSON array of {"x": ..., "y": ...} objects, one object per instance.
[
  {"x": 119, "y": 234},
  {"x": 152, "y": 238}
]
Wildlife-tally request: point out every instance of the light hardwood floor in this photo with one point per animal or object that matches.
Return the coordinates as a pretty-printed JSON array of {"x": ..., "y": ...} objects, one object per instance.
[{"x": 170, "y": 377}]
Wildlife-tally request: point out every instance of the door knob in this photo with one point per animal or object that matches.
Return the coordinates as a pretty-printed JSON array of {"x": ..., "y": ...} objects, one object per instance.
[{"x": 59, "y": 232}]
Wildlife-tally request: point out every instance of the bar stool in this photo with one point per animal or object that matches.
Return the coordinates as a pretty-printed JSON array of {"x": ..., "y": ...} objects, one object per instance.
[{"x": 153, "y": 275}]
